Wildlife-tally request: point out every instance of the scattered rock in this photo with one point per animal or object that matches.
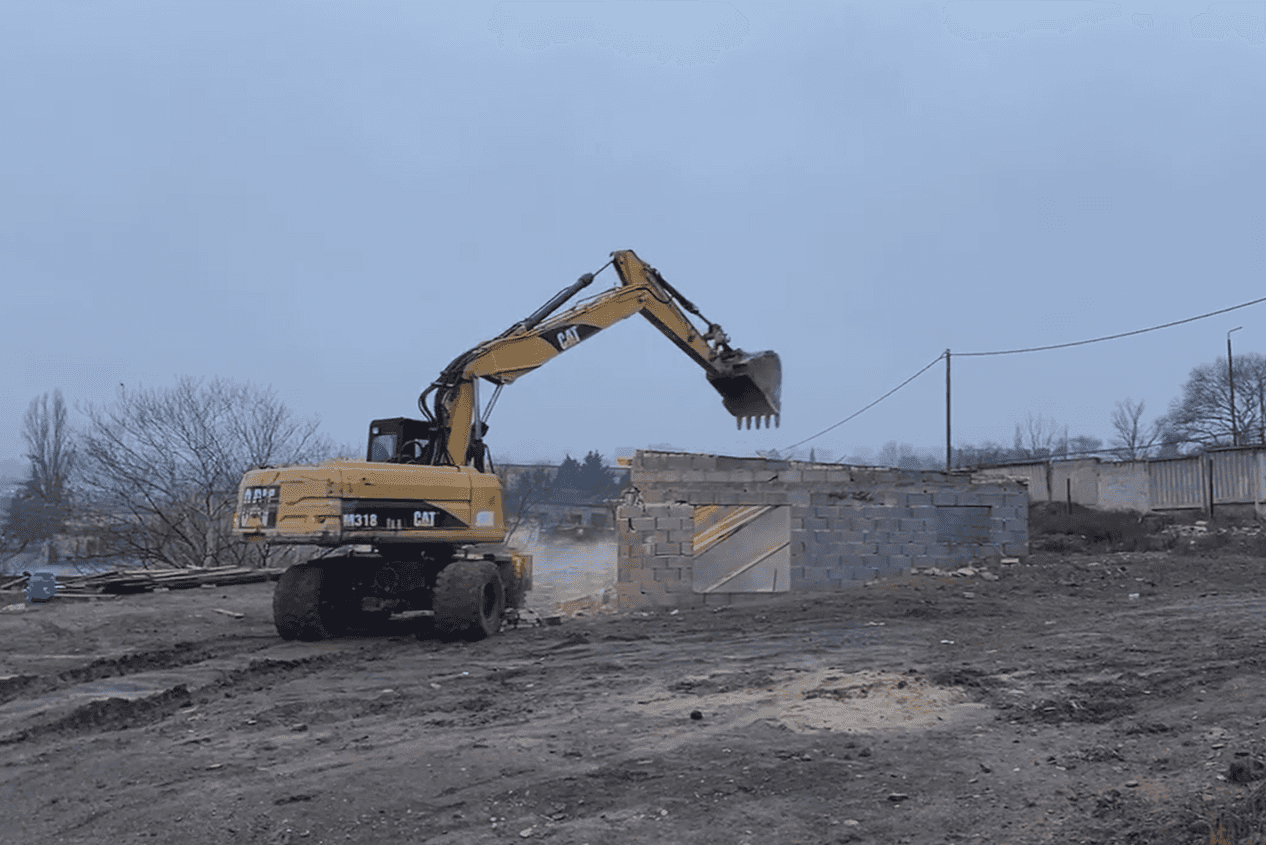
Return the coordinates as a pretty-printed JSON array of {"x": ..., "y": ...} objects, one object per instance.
[
  {"x": 897, "y": 797},
  {"x": 696, "y": 715},
  {"x": 1245, "y": 769}
]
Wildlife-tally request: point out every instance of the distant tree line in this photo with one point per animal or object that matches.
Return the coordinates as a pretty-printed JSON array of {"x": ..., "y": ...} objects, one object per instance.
[{"x": 591, "y": 481}]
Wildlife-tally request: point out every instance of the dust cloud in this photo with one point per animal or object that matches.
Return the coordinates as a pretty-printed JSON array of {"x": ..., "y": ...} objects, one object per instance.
[{"x": 571, "y": 576}]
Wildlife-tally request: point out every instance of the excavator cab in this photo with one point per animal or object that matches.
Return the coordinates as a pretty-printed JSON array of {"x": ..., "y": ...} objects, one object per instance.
[{"x": 400, "y": 440}]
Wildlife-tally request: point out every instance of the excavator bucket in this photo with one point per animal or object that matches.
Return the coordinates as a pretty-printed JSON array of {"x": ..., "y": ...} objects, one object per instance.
[{"x": 750, "y": 387}]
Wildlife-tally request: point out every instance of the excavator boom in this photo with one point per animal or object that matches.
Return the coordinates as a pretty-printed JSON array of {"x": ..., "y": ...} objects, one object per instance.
[{"x": 750, "y": 384}]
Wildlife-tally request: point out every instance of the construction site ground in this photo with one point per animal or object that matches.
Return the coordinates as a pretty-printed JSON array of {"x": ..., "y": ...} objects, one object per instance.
[{"x": 1070, "y": 698}]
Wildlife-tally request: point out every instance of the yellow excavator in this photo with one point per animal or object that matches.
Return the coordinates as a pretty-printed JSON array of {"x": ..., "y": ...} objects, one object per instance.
[{"x": 418, "y": 525}]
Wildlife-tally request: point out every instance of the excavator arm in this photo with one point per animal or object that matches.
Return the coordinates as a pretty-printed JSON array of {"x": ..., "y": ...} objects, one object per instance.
[{"x": 750, "y": 385}]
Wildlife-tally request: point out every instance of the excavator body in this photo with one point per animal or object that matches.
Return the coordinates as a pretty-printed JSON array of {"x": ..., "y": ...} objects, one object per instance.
[{"x": 419, "y": 525}]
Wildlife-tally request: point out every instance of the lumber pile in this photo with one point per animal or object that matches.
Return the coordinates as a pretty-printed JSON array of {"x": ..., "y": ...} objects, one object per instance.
[{"x": 119, "y": 582}]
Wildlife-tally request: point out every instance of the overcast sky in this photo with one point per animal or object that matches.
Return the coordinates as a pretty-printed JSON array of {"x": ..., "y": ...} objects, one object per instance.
[{"x": 337, "y": 198}]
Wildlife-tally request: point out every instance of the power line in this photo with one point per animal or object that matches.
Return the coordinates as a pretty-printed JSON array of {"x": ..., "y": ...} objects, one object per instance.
[
  {"x": 1111, "y": 336},
  {"x": 1016, "y": 352},
  {"x": 871, "y": 405}
]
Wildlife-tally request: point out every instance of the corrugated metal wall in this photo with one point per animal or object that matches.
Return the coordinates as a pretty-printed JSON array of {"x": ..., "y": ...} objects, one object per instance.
[
  {"x": 1177, "y": 483},
  {"x": 1239, "y": 477},
  {"x": 1234, "y": 477}
]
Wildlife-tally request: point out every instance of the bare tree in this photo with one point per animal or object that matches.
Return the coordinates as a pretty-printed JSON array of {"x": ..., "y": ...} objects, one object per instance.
[
  {"x": 519, "y": 490},
  {"x": 41, "y": 507},
  {"x": 1037, "y": 437},
  {"x": 46, "y": 431},
  {"x": 1133, "y": 439},
  {"x": 163, "y": 466},
  {"x": 1201, "y": 414}
]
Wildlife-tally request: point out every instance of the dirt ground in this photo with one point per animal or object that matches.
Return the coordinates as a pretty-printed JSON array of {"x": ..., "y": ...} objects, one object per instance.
[{"x": 1073, "y": 699}]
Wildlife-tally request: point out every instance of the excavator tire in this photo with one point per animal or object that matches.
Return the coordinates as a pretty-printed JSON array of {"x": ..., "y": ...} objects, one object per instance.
[
  {"x": 308, "y": 604},
  {"x": 469, "y": 600}
]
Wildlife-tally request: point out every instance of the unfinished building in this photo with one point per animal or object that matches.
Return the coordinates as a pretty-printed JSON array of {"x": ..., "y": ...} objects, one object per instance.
[{"x": 701, "y": 530}]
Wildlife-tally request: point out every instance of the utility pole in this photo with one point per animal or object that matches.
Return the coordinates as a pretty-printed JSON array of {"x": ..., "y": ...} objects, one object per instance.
[
  {"x": 949, "y": 449},
  {"x": 1230, "y": 380}
]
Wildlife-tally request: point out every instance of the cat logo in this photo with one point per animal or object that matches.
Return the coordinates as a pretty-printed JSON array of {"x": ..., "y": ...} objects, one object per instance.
[{"x": 568, "y": 338}]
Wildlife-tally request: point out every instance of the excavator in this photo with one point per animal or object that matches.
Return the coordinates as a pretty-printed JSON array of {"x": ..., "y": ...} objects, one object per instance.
[{"x": 418, "y": 525}]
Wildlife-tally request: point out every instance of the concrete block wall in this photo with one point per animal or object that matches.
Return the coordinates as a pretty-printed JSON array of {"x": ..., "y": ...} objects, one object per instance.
[
  {"x": 654, "y": 568},
  {"x": 848, "y": 524}
]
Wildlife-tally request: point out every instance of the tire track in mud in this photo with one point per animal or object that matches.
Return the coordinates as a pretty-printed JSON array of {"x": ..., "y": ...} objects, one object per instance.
[
  {"x": 173, "y": 657},
  {"x": 46, "y": 706}
]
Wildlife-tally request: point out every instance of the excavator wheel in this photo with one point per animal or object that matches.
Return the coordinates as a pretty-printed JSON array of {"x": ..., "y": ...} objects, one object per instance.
[
  {"x": 469, "y": 600},
  {"x": 308, "y": 604}
]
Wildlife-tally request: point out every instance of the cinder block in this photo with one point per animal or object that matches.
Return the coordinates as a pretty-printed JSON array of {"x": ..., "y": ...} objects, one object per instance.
[
  {"x": 681, "y": 510},
  {"x": 944, "y": 497},
  {"x": 668, "y": 574},
  {"x": 900, "y": 563},
  {"x": 775, "y": 497},
  {"x": 627, "y": 597},
  {"x": 682, "y": 536},
  {"x": 667, "y": 523},
  {"x": 838, "y": 476},
  {"x": 814, "y": 476},
  {"x": 647, "y": 584},
  {"x": 1016, "y": 499},
  {"x": 644, "y": 523},
  {"x": 914, "y": 500},
  {"x": 663, "y": 549},
  {"x": 659, "y": 600},
  {"x": 913, "y": 526},
  {"x": 798, "y": 496},
  {"x": 703, "y": 462}
]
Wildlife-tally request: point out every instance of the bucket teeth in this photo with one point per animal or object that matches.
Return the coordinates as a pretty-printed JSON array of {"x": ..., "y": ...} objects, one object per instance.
[{"x": 759, "y": 421}]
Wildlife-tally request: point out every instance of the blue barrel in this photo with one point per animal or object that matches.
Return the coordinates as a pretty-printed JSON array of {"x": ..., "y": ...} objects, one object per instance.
[{"x": 41, "y": 586}]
